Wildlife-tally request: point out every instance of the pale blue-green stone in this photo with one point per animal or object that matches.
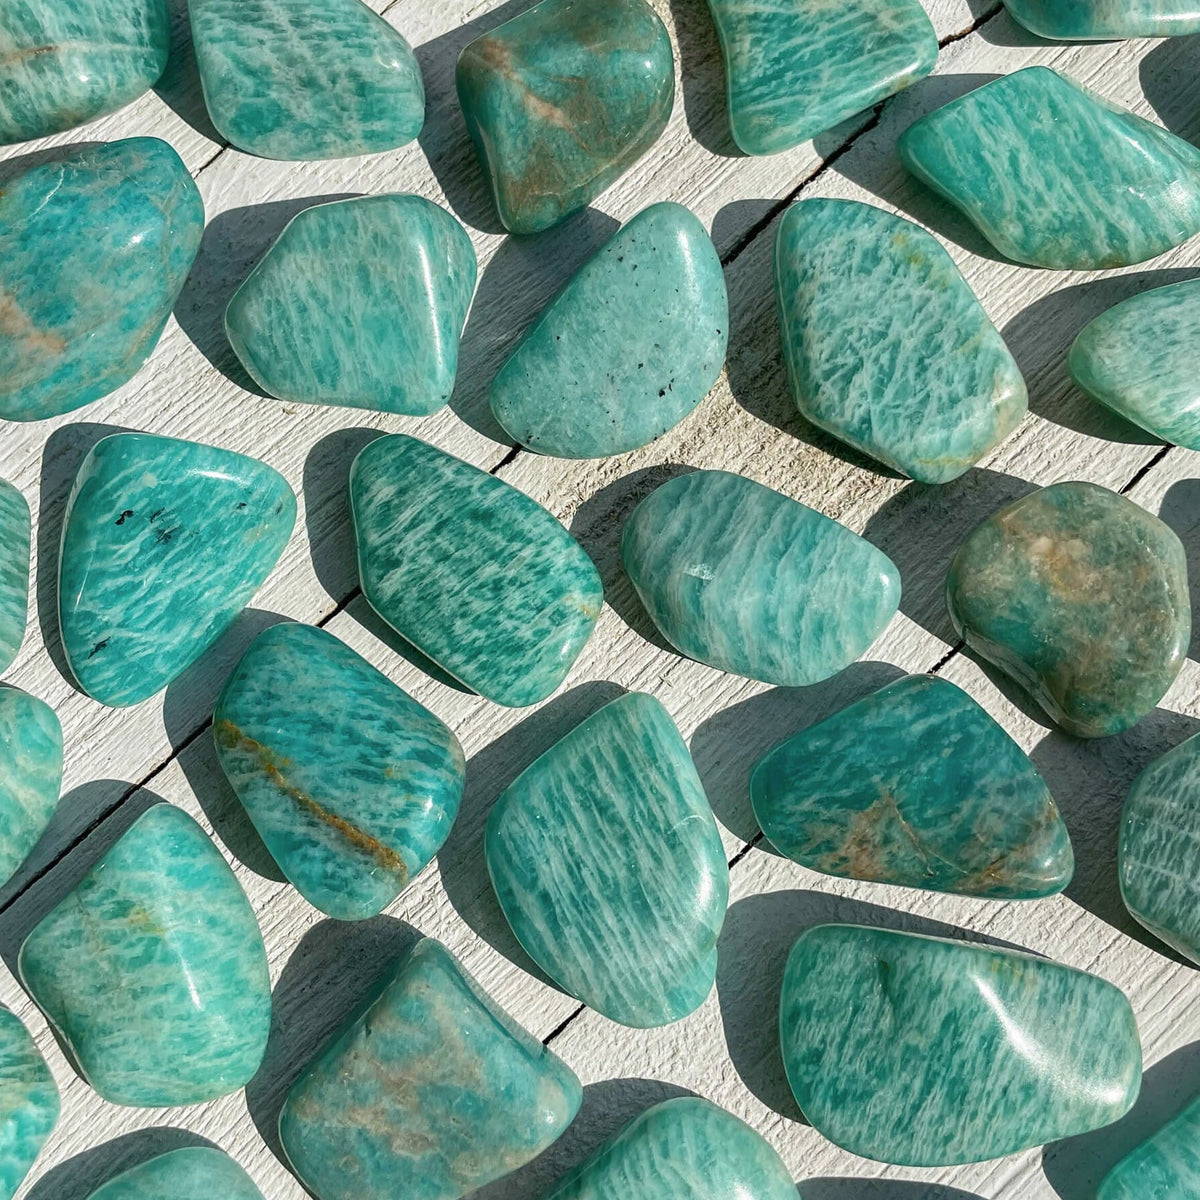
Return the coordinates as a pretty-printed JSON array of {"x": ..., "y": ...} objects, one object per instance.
[
  {"x": 609, "y": 866},
  {"x": 750, "y": 581},
  {"x": 29, "y": 1103},
  {"x": 31, "y": 766},
  {"x": 360, "y": 302},
  {"x": 15, "y": 531},
  {"x": 428, "y": 1093},
  {"x": 163, "y": 545},
  {"x": 192, "y": 1173},
  {"x": 627, "y": 349},
  {"x": 1166, "y": 1166},
  {"x": 1100, "y": 20}
]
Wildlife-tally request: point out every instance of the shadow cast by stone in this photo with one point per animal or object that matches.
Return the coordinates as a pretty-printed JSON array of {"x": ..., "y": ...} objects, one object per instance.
[
  {"x": 179, "y": 85},
  {"x": 880, "y": 1189},
  {"x": 998, "y": 28},
  {"x": 1180, "y": 509},
  {"x": 1170, "y": 79},
  {"x": 702, "y": 71}
]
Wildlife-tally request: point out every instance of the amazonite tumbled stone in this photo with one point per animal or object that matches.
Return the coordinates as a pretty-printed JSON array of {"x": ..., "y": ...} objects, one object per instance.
[
  {"x": 31, "y": 766},
  {"x": 359, "y": 302},
  {"x": 15, "y": 536},
  {"x": 609, "y": 867},
  {"x": 428, "y": 1093},
  {"x": 1166, "y": 1166},
  {"x": 198, "y": 528},
  {"x": 925, "y": 1052},
  {"x": 29, "y": 1103},
  {"x": 747, "y": 580},
  {"x": 306, "y": 79},
  {"x": 885, "y": 344},
  {"x": 471, "y": 571},
  {"x": 191, "y": 1173},
  {"x": 152, "y": 970},
  {"x": 1100, "y": 20},
  {"x": 562, "y": 100},
  {"x": 94, "y": 250}
]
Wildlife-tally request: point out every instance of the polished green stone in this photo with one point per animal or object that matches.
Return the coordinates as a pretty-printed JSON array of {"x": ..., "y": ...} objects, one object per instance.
[
  {"x": 29, "y": 1103},
  {"x": 192, "y": 1173},
  {"x": 471, "y": 571},
  {"x": 562, "y": 100},
  {"x": 885, "y": 344},
  {"x": 15, "y": 531},
  {"x": 1100, "y": 20},
  {"x": 303, "y": 80},
  {"x": 429, "y": 1092},
  {"x": 1082, "y": 597},
  {"x": 749, "y": 581},
  {"x": 31, "y": 766},
  {"x": 163, "y": 545},
  {"x": 627, "y": 349},
  {"x": 351, "y": 801},
  {"x": 1166, "y": 1166},
  {"x": 915, "y": 785},
  {"x": 95, "y": 246},
  {"x": 609, "y": 866},
  {"x": 1055, "y": 176},
  {"x": 926, "y": 1052},
  {"x": 360, "y": 302}
]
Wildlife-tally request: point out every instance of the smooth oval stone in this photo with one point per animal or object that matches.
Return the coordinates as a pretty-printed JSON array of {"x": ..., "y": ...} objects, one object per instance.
[
  {"x": 353, "y": 800},
  {"x": 1166, "y": 1166},
  {"x": 1055, "y": 176},
  {"x": 471, "y": 571},
  {"x": 15, "y": 534},
  {"x": 562, "y": 100},
  {"x": 29, "y": 1103},
  {"x": 295, "y": 80},
  {"x": 885, "y": 344},
  {"x": 915, "y": 785},
  {"x": 31, "y": 766},
  {"x": 747, "y": 580},
  {"x": 94, "y": 250},
  {"x": 1100, "y": 20},
  {"x": 609, "y": 866},
  {"x": 1082, "y": 597},
  {"x": 152, "y": 971},
  {"x": 627, "y": 349},
  {"x": 192, "y": 1173},
  {"x": 925, "y": 1052},
  {"x": 428, "y": 1093},
  {"x": 360, "y": 302},
  {"x": 198, "y": 528}
]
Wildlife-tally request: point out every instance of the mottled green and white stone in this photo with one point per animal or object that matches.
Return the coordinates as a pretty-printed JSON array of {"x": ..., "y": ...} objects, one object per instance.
[
  {"x": 1100, "y": 20},
  {"x": 1166, "y": 1166},
  {"x": 191, "y": 1173},
  {"x": 15, "y": 536},
  {"x": 31, "y": 767},
  {"x": 29, "y": 1103}
]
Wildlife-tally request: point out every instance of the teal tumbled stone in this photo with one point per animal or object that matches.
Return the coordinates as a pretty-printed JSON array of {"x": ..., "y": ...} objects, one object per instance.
[
  {"x": 351, "y": 800},
  {"x": 191, "y": 1173},
  {"x": 94, "y": 250},
  {"x": 925, "y": 1052},
  {"x": 15, "y": 536},
  {"x": 562, "y": 100},
  {"x": 152, "y": 970},
  {"x": 1082, "y": 597},
  {"x": 360, "y": 302},
  {"x": 1101, "y": 20},
  {"x": 428, "y": 1093},
  {"x": 29, "y": 1103},
  {"x": 306, "y": 79},
  {"x": 609, "y": 866},
  {"x": 31, "y": 766},
  {"x": 197, "y": 528},
  {"x": 915, "y": 785},
  {"x": 1166, "y": 1166},
  {"x": 886, "y": 346},
  {"x": 750, "y": 581},
  {"x": 471, "y": 571}
]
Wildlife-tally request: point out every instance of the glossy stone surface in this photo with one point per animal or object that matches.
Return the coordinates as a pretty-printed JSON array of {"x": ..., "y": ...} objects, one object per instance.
[
  {"x": 15, "y": 531},
  {"x": 288, "y": 79},
  {"x": 609, "y": 867},
  {"x": 1166, "y": 1166},
  {"x": 352, "y": 799},
  {"x": 29, "y": 1103},
  {"x": 153, "y": 971},
  {"x": 431, "y": 1091},
  {"x": 31, "y": 766},
  {"x": 562, "y": 100},
  {"x": 1056, "y": 176},
  {"x": 627, "y": 349},
  {"x": 1099, "y": 20},
  {"x": 794, "y": 68},
  {"x": 94, "y": 250},
  {"x": 198, "y": 528},
  {"x": 359, "y": 302},
  {"x": 1082, "y": 597},
  {"x": 192, "y": 1173},
  {"x": 926, "y": 1052},
  {"x": 749, "y": 581},
  {"x": 885, "y": 344},
  {"x": 471, "y": 571},
  {"x": 915, "y": 785}
]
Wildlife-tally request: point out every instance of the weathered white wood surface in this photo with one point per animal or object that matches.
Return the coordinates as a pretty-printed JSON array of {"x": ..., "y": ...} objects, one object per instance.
[{"x": 118, "y": 762}]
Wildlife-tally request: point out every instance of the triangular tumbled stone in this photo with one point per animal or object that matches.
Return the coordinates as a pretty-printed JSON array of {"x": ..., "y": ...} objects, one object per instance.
[
  {"x": 29, "y": 1102},
  {"x": 191, "y": 1173},
  {"x": 15, "y": 535},
  {"x": 31, "y": 765},
  {"x": 1070, "y": 21},
  {"x": 195, "y": 528}
]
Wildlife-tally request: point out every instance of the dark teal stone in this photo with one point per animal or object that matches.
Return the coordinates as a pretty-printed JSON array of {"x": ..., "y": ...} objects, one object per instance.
[
  {"x": 29, "y": 1103},
  {"x": 562, "y": 100},
  {"x": 925, "y": 1052},
  {"x": 360, "y": 302},
  {"x": 31, "y": 766},
  {"x": 351, "y": 800},
  {"x": 1100, "y": 20},
  {"x": 609, "y": 866},
  {"x": 1082, "y": 597},
  {"x": 1055, "y": 176},
  {"x": 152, "y": 971},
  {"x": 15, "y": 530},
  {"x": 747, "y": 580},
  {"x": 94, "y": 250},
  {"x": 1166, "y": 1166},
  {"x": 430, "y": 1092},
  {"x": 196, "y": 528},
  {"x": 471, "y": 571},
  {"x": 885, "y": 344},
  {"x": 192, "y": 1173}
]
